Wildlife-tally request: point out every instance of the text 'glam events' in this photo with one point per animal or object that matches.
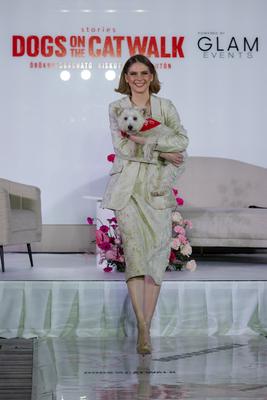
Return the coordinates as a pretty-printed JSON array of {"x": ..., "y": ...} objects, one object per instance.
[{"x": 219, "y": 45}]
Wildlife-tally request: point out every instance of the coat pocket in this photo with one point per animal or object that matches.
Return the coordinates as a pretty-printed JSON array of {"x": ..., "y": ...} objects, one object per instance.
[{"x": 116, "y": 167}]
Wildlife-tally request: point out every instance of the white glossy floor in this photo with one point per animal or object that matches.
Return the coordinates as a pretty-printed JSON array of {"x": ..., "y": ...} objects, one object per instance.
[
  {"x": 59, "y": 301},
  {"x": 82, "y": 267},
  {"x": 179, "y": 368}
]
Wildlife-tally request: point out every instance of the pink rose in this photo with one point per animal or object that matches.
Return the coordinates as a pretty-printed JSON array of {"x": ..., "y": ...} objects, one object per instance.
[
  {"x": 117, "y": 241},
  {"x": 179, "y": 201},
  {"x": 179, "y": 229},
  {"x": 110, "y": 220},
  {"x": 114, "y": 219},
  {"x": 175, "y": 244},
  {"x": 111, "y": 255},
  {"x": 90, "y": 221},
  {"x": 111, "y": 157},
  {"x": 104, "y": 228},
  {"x": 182, "y": 239},
  {"x": 101, "y": 237},
  {"x": 191, "y": 265},
  {"x": 175, "y": 191},
  {"x": 104, "y": 246},
  {"x": 188, "y": 223}
]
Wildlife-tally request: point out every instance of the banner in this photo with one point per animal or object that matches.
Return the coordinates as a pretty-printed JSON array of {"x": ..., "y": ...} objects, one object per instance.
[{"x": 60, "y": 63}]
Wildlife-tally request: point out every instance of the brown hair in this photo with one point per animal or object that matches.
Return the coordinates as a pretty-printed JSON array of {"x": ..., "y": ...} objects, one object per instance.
[{"x": 124, "y": 88}]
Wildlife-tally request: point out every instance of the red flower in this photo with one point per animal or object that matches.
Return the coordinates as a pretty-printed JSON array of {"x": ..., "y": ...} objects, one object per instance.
[
  {"x": 104, "y": 246},
  {"x": 111, "y": 157},
  {"x": 104, "y": 228},
  {"x": 101, "y": 237},
  {"x": 108, "y": 269},
  {"x": 174, "y": 191},
  {"x": 110, "y": 220},
  {"x": 90, "y": 220},
  {"x": 172, "y": 256},
  {"x": 179, "y": 201}
]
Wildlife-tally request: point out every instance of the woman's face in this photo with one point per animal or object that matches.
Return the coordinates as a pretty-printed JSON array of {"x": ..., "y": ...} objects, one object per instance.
[{"x": 139, "y": 77}]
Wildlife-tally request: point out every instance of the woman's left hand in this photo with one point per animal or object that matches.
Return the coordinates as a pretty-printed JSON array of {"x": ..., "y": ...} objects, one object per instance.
[{"x": 175, "y": 158}]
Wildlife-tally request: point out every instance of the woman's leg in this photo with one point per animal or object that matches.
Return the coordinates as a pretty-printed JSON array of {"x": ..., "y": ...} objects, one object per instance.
[
  {"x": 151, "y": 294},
  {"x": 136, "y": 292}
]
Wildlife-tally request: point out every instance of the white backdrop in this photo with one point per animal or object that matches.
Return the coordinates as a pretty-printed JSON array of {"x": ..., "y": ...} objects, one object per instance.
[{"x": 55, "y": 133}]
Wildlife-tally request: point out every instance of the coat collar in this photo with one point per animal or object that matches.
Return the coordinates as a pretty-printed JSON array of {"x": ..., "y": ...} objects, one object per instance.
[{"x": 155, "y": 106}]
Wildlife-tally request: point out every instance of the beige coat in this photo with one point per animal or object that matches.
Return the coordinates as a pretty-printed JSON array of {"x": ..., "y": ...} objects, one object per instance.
[{"x": 126, "y": 167}]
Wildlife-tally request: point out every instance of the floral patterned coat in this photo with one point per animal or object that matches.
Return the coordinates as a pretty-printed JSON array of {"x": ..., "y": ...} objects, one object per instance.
[{"x": 126, "y": 167}]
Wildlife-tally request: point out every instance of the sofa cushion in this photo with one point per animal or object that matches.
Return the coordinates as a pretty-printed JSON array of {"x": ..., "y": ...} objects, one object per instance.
[
  {"x": 22, "y": 220},
  {"x": 224, "y": 223}
]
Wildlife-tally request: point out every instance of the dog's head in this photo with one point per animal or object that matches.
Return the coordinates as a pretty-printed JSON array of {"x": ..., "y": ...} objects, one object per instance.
[{"x": 131, "y": 120}]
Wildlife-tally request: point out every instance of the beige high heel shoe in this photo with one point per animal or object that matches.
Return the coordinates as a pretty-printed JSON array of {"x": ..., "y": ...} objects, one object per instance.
[
  {"x": 143, "y": 344},
  {"x": 143, "y": 348}
]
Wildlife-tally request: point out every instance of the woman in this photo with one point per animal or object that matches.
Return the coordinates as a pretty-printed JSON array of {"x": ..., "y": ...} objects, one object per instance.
[{"x": 143, "y": 215}]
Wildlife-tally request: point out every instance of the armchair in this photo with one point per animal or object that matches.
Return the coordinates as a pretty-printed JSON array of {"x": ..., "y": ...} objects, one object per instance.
[{"x": 20, "y": 216}]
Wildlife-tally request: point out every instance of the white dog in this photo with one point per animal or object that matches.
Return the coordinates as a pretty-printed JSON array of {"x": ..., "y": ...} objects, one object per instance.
[{"x": 132, "y": 120}]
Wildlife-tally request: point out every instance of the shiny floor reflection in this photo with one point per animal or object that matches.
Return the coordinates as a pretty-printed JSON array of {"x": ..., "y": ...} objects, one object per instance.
[{"x": 179, "y": 368}]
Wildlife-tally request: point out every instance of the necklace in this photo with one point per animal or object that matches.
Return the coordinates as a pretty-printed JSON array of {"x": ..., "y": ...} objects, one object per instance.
[{"x": 147, "y": 106}]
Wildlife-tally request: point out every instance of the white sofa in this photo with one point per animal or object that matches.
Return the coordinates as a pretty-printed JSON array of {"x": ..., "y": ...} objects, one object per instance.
[{"x": 217, "y": 193}]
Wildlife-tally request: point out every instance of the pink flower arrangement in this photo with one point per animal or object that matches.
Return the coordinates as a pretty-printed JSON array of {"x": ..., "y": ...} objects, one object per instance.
[
  {"x": 181, "y": 249},
  {"x": 110, "y": 247},
  {"x": 109, "y": 244}
]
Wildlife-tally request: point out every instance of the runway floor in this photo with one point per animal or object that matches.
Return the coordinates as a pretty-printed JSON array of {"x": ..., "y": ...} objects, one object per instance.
[
  {"x": 107, "y": 367},
  {"x": 179, "y": 368}
]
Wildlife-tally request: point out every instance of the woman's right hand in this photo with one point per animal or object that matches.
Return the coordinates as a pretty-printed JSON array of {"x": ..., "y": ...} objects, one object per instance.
[{"x": 175, "y": 158}]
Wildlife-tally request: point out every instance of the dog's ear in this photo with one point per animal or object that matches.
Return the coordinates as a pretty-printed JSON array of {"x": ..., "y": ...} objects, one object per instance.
[{"x": 118, "y": 110}]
